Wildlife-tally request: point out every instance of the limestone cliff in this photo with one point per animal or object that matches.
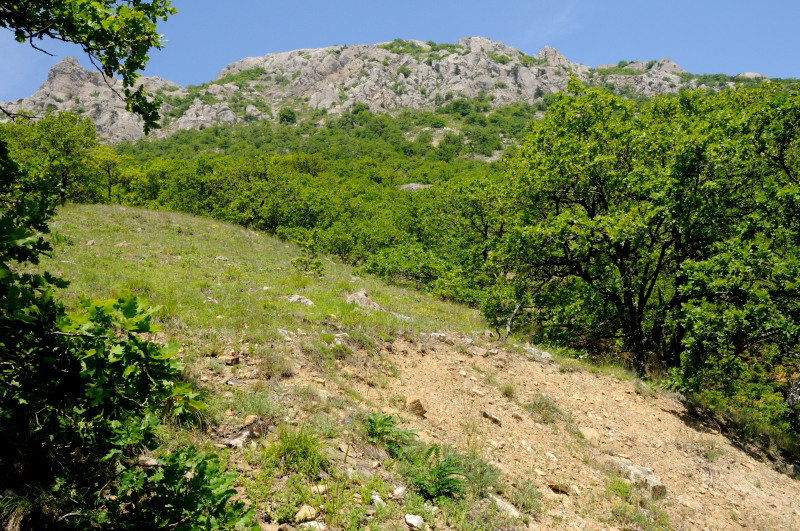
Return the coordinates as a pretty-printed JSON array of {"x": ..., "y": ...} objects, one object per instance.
[{"x": 388, "y": 76}]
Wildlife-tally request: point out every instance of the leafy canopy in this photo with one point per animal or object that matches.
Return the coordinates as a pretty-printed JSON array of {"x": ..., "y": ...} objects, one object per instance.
[{"x": 117, "y": 35}]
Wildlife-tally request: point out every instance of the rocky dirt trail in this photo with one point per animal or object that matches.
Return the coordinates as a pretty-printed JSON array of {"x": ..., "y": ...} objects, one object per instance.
[{"x": 710, "y": 483}]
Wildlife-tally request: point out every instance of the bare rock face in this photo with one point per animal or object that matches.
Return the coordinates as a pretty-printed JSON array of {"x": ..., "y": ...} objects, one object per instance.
[
  {"x": 384, "y": 77},
  {"x": 70, "y": 87}
]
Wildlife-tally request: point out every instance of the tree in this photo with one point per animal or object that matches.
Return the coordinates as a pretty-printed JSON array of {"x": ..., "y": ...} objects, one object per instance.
[
  {"x": 82, "y": 394},
  {"x": 619, "y": 210},
  {"x": 117, "y": 35},
  {"x": 60, "y": 144},
  {"x": 287, "y": 116},
  {"x": 110, "y": 164}
]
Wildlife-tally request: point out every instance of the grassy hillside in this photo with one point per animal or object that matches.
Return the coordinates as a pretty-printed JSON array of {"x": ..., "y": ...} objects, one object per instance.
[
  {"x": 221, "y": 283},
  {"x": 317, "y": 405}
]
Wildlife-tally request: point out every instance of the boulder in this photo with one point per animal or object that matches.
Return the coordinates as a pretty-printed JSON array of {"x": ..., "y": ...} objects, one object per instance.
[
  {"x": 361, "y": 299},
  {"x": 639, "y": 475},
  {"x": 413, "y": 187},
  {"x": 305, "y": 514},
  {"x": 504, "y": 506}
]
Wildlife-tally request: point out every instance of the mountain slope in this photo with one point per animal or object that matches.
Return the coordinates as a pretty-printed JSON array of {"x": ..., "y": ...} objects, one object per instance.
[
  {"x": 231, "y": 298},
  {"x": 385, "y": 77}
]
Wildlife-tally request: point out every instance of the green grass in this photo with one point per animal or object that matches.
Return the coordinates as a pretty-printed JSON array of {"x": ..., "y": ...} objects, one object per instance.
[
  {"x": 632, "y": 508},
  {"x": 220, "y": 286},
  {"x": 299, "y": 450}
]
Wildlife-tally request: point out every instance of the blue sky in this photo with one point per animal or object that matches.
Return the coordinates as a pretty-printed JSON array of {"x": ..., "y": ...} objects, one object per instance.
[{"x": 703, "y": 36}]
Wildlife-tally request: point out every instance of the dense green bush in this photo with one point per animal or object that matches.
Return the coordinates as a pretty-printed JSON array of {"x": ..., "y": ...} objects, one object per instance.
[
  {"x": 186, "y": 491},
  {"x": 79, "y": 393}
]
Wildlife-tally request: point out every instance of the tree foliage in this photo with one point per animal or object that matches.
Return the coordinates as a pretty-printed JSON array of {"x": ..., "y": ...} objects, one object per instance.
[
  {"x": 61, "y": 144},
  {"x": 667, "y": 232},
  {"x": 117, "y": 34},
  {"x": 82, "y": 394}
]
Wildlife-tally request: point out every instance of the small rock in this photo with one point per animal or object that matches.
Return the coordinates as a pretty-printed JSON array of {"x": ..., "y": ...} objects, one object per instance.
[
  {"x": 319, "y": 489},
  {"x": 491, "y": 417},
  {"x": 305, "y": 514},
  {"x": 377, "y": 501},
  {"x": 299, "y": 298},
  {"x": 506, "y": 507},
  {"x": 91, "y": 242},
  {"x": 147, "y": 461},
  {"x": 437, "y": 336},
  {"x": 591, "y": 435},
  {"x": 537, "y": 354},
  {"x": 462, "y": 373},
  {"x": 268, "y": 527},
  {"x": 312, "y": 525},
  {"x": 551, "y": 457},
  {"x": 415, "y": 522},
  {"x": 414, "y": 405},
  {"x": 399, "y": 492},
  {"x": 389, "y": 411},
  {"x": 558, "y": 487},
  {"x": 230, "y": 359},
  {"x": 478, "y": 392},
  {"x": 250, "y": 419}
]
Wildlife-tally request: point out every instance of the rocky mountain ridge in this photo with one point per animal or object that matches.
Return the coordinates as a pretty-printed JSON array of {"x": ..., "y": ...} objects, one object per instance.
[{"x": 385, "y": 77}]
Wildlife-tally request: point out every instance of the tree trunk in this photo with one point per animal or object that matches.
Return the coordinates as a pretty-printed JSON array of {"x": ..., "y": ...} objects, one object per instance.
[{"x": 636, "y": 343}]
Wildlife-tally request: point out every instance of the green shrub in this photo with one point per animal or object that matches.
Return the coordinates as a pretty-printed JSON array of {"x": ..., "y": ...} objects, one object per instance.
[
  {"x": 435, "y": 476},
  {"x": 298, "y": 449},
  {"x": 499, "y": 58},
  {"x": 187, "y": 491},
  {"x": 544, "y": 409},
  {"x": 287, "y": 116},
  {"x": 481, "y": 476},
  {"x": 527, "y": 498},
  {"x": 382, "y": 429}
]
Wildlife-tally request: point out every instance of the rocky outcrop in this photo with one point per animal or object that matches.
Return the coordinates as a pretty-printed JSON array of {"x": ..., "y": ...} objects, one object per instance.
[
  {"x": 384, "y": 77},
  {"x": 71, "y": 87}
]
